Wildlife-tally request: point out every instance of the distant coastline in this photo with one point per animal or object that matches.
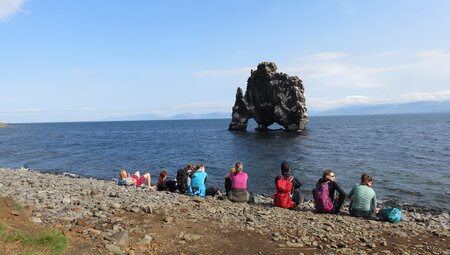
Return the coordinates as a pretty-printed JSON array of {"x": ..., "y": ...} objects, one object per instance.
[{"x": 421, "y": 107}]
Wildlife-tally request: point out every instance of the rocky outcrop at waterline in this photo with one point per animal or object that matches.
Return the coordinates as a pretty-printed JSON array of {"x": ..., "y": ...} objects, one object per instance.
[{"x": 270, "y": 98}]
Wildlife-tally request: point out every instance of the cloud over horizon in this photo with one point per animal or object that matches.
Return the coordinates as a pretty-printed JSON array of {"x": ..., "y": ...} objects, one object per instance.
[
  {"x": 379, "y": 78},
  {"x": 384, "y": 77}
]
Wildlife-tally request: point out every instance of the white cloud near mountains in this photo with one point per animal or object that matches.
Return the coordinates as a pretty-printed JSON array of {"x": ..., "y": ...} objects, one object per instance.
[
  {"x": 327, "y": 103},
  {"x": 335, "y": 79},
  {"x": 391, "y": 77},
  {"x": 9, "y": 8}
]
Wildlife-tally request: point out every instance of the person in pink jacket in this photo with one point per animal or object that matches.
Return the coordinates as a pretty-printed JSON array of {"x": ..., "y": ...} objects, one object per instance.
[{"x": 239, "y": 178}]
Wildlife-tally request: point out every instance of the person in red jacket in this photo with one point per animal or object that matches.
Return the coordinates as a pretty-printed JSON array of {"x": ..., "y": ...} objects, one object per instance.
[{"x": 296, "y": 185}]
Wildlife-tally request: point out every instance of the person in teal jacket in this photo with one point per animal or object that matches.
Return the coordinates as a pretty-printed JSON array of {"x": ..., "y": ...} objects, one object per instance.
[
  {"x": 198, "y": 180},
  {"x": 198, "y": 183},
  {"x": 364, "y": 199}
]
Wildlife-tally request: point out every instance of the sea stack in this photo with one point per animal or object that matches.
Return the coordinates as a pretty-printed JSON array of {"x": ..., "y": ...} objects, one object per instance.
[{"x": 270, "y": 97}]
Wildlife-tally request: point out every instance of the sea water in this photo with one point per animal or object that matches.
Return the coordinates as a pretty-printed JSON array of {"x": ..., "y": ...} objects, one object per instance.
[{"x": 407, "y": 155}]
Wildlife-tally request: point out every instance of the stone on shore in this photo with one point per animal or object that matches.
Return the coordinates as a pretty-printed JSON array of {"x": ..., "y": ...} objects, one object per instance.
[{"x": 105, "y": 218}]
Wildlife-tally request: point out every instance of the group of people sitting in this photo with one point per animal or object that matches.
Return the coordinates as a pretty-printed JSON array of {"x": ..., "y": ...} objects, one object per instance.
[{"x": 328, "y": 195}]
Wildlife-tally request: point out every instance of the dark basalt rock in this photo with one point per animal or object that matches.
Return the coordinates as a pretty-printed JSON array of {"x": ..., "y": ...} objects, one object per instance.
[{"x": 271, "y": 97}]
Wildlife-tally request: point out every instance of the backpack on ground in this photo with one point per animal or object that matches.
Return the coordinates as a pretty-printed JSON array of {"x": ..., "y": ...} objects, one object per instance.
[
  {"x": 392, "y": 215},
  {"x": 182, "y": 180},
  {"x": 282, "y": 197},
  {"x": 322, "y": 199}
]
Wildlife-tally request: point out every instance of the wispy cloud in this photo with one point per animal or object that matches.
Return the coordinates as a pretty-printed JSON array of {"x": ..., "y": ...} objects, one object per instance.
[
  {"x": 390, "y": 69},
  {"x": 30, "y": 110},
  {"x": 324, "y": 103},
  {"x": 242, "y": 71},
  {"x": 9, "y": 8}
]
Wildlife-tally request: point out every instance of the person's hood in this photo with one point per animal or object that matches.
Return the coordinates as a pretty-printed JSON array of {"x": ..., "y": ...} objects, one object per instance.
[
  {"x": 286, "y": 175},
  {"x": 322, "y": 180}
]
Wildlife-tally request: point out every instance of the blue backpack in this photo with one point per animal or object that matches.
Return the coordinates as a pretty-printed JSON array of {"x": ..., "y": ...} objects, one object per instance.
[{"x": 392, "y": 215}]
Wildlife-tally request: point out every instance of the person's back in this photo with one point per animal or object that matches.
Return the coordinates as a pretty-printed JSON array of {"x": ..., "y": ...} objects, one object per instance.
[
  {"x": 364, "y": 201},
  {"x": 362, "y": 197},
  {"x": 198, "y": 179},
  {"x": 239, "y": 180},
  {"x": 287, "y": 189},
  {"x": 324, "y": 194},
  {"x": 182, "y": 180}
]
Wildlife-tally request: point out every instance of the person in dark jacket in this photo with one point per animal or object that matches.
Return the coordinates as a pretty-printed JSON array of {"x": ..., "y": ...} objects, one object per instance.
[
  {"x": 296, "y": 185},
  {"x": 165, "y": 184},
  {"x": 333, "y": 187}
]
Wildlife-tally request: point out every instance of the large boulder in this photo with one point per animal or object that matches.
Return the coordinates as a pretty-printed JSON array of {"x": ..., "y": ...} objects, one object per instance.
[{"x": 270, "y": 97}]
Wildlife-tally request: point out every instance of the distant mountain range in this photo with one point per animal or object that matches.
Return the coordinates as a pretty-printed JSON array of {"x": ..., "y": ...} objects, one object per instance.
[
  {"x": 415, "y": 107},
  {"x": 181, "y": 116},
  {"x": 406, "y": 108}
]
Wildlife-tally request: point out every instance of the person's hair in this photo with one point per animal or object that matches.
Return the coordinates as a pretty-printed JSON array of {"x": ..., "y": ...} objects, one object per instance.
[
  {"x": 365, "y": 179},
  {"x": 122, "y": 171},
  {"x": 239, "y": 167},
  {"x": 190, "y": 169},
  {"x": 190, "y": 166},
  {"x": 199, "y": 166},
  {"x": 162, "y": 175},
  {"x": 285, "y": 168},
  {"x": 326, "y": 172}
]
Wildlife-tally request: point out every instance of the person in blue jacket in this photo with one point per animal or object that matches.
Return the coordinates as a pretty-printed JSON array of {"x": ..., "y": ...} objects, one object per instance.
[{"x": 198, "y": 183}]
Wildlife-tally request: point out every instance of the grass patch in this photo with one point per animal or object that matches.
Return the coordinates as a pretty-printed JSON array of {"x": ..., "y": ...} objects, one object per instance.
[
  {"x": 18, "y": 206},
  {"x": 50, "y": 241}
]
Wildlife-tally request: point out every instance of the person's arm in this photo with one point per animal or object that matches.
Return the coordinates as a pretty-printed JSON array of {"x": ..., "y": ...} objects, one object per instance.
[
  {"x": 297, "y": 183},
  {"x": 276, "y": 180},
  {"x": 373, "y": 203},
  {"x": 340, "y": 190},
  {"x": 351, "y": 192}
]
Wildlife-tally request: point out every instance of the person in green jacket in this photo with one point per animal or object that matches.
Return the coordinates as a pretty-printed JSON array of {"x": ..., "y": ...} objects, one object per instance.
[{"x": 364, "y": 199}]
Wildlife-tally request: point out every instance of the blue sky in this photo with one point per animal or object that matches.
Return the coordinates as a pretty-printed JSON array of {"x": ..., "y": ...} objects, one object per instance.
[{"x": 90, "y": 60}]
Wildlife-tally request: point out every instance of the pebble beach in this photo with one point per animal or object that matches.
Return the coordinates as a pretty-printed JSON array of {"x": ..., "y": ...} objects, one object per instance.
[{"x": 99, "y": 210}]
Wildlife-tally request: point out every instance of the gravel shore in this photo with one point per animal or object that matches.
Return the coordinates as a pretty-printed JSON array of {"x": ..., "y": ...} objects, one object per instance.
[{"x": 103, "y": 212}]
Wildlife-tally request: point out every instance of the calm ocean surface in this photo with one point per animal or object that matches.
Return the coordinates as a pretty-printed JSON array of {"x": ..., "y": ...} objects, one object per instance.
[{"x": 408, "y": 155}]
